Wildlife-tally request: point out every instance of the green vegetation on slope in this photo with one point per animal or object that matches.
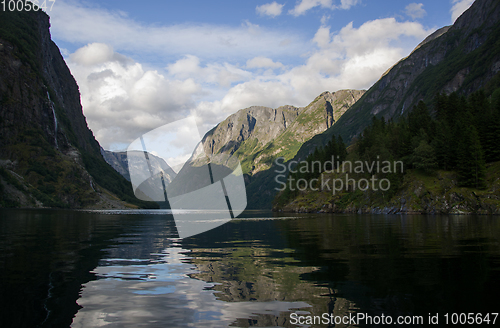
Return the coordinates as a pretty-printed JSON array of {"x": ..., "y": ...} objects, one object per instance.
[
  {"x": 456, "y": 148},
  {"x": 53, "y": 179},
  {"x": 471, "y": 56},
  {"x": 258, "y": 136},
  {"x": 20, "y": 29}
]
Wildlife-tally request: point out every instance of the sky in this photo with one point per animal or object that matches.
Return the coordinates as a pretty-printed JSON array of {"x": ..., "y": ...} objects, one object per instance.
[{"x": 143, "y": 64}]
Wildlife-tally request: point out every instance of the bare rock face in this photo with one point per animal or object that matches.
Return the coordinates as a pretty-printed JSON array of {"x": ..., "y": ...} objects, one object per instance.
[
  {"x": 257, "y": 135},
  {"x": 257, "y": 122}
]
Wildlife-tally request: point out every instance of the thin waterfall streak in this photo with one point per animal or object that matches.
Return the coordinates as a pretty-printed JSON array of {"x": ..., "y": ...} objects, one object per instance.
[{"x": 55, "y": 119}]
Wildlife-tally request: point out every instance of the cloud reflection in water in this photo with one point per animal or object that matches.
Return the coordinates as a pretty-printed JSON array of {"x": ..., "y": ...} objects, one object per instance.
[{"x": 159, "y": 292}]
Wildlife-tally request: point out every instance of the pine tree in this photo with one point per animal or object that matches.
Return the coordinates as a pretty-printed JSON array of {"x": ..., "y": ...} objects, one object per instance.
[
  {"x": 440, "y": 106},
  {"x": 471, "y": 164},
  {"x": 331, "y": 150},
  {"x": 419, "y": 118},
  {"x": 342, "y": 151},
  {"x": 489, "y": 129},
  {"x": 424, "y": 156}
]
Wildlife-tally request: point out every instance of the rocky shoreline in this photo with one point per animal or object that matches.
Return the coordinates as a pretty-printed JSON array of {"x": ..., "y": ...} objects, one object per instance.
[{"x": 435, "y": 193}]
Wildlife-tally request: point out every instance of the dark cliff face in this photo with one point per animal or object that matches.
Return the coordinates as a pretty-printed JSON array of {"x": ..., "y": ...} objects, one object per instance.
[
  {"x": 64, "y": 87},
  {"x": 48, "y": 155},
  {"x": 37, "y": 88},
  {"x": 23, "y": 105},
  {"x": 462, "y": 58}
]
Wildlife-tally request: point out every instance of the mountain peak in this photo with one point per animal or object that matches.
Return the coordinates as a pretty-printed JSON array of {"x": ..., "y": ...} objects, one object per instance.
[{"x": 257, "y": 135}]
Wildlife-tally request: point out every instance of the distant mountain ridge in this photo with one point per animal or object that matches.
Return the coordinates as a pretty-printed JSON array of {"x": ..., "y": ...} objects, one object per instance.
[
  {"x": 256, "y": 136},
  {"x": 120, "y": 162}
]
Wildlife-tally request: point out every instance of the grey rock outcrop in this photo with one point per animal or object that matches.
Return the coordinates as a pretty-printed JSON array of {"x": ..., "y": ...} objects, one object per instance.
[
  {"x": 257, "y": 122},
  {"x": 257, "y": 135}
]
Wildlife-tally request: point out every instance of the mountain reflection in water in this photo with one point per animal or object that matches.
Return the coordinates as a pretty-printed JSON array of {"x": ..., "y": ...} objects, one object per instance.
[{"x": 127, "y": 269}]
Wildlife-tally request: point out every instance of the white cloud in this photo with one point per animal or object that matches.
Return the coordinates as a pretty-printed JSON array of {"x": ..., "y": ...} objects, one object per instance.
[
  {"x": 220, "y": 74},
  {"x": 415, "y": 10},
  {"x": 347, "y": 4},
  {"x": 97, "y": 53},
  {"x": 263, "y": 62},
  {"x": 272, "y": 9},
  {"x": 304, "y": 5},
  {"x": 459, "y": 6},
  {"x": 324, "y": 19},
  {"x": 121, "y": 100},
  {"x": 72, "y": 22},
  {"x": 375, "y": 34},
  {"x": 189, "y": 65},
  {"x": 322, "y": 36},
  {"x": 351, "y": 58}
]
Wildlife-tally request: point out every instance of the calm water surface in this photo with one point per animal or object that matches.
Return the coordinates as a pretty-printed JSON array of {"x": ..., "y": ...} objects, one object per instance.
[{"x": 128, "y": 269}]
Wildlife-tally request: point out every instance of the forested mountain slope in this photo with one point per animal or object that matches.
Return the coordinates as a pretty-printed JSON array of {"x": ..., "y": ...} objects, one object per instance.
[{"x": 463, "y": 58}]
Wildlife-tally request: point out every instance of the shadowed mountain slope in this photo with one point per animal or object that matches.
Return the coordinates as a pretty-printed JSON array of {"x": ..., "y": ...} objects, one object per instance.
[{"x": 48, "y": 155}]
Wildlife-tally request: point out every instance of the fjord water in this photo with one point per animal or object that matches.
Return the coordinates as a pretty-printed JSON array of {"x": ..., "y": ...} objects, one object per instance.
[{"x": 126, "y": 268}]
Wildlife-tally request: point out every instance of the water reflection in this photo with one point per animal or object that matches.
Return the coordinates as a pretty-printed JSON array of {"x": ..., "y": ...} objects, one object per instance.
[
  {"x": 159, "y": 290},
  {"x": 127, "y": 269}
]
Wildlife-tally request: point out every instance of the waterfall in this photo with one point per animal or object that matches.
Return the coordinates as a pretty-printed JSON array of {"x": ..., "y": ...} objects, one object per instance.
[
  {"x": 92, "y": 185},
  {"x": 55, "y": 119}
]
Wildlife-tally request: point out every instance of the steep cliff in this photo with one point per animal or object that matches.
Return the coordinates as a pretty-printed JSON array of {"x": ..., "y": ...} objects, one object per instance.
[
  {"x": 461, "y": 58},
  {"x": 49, "y": 157}
]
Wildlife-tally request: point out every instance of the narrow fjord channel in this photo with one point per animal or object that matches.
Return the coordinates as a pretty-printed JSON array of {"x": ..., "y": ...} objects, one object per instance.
[{"x": 127, "y": 269}]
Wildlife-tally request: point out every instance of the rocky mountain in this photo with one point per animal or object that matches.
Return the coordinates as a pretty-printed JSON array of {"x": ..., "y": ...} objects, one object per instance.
[
  {"x": 460, "y": 58},
  {"x": 49, "y": 157},
  {"x": 258, "y": 135},
  {"x": 120, "y": 162}
]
